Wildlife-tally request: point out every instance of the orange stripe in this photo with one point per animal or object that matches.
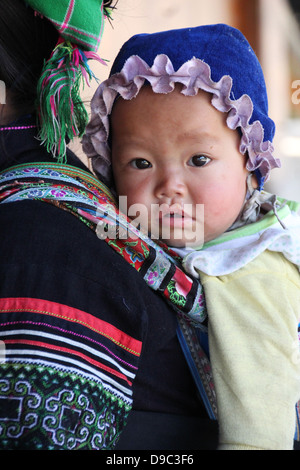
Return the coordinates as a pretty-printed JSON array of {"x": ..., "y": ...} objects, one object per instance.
[{"x": 45, "y": 307}]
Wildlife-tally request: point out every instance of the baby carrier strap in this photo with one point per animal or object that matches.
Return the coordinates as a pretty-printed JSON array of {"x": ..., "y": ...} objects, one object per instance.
[{"x": 81, "y": 194}]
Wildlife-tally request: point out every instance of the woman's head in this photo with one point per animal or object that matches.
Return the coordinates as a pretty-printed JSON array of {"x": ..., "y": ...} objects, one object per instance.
[
  {"x": 26, "y": 41},
  {"x": 45, "y": 46}
]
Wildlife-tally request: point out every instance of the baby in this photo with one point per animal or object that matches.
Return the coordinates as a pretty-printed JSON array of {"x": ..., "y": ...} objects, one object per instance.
[{"x": 181, "y": 129}]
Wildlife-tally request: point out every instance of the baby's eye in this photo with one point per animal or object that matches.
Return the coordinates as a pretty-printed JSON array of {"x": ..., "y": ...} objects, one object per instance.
[
  {"x": 140, "y": 164},
  {"x": 199, "y": 160}
]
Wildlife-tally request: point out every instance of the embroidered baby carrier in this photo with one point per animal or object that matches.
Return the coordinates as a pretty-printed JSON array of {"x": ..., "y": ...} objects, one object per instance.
[
  {"x": 84, "y": 196},
  {"x": 81, "y": 194}
]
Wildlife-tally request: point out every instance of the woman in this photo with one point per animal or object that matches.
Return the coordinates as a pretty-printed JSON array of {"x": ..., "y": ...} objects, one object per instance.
[{"x": 90, "y": 350}]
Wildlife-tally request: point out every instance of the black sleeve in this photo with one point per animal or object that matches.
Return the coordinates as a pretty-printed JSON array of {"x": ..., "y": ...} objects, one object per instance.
[{"x": 85, "y": 339}]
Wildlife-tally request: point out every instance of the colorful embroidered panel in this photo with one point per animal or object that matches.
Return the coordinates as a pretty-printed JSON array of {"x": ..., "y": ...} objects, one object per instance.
[
  {"x": 87, "y": 198},
  {"x": 65, "y": 377}
]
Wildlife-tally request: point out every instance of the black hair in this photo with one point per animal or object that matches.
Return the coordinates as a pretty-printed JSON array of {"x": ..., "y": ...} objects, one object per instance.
[
  {"x": 110, "y": 3},
  {"x": 26, "y": 40}
]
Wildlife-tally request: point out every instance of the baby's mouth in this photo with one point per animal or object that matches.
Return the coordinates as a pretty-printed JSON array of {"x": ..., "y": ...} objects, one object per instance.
[{"x": 174, "y": 215}]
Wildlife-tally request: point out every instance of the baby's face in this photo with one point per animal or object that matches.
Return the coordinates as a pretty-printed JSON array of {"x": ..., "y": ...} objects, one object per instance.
[{"x": 177, "y": 153}]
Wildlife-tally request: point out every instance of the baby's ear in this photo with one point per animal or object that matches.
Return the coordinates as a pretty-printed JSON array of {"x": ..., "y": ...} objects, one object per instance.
[{"x": 254, "y": 181}]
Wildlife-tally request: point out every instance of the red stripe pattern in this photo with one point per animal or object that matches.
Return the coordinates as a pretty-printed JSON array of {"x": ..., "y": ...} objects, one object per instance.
[{"x": 67, "y": 370}]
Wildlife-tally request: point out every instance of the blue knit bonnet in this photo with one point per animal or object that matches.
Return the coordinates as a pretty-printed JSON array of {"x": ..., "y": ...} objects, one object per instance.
[{"x": 214, "y": 58}]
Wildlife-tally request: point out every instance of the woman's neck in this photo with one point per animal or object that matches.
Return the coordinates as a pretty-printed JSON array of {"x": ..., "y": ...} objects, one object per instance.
[
  {"x": 9, "y": 114},
  {"x": 6, "y": 115}
]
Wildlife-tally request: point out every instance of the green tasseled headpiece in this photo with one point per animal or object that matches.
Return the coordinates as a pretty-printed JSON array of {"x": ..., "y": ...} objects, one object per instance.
[{"x": 61, "y": 112}]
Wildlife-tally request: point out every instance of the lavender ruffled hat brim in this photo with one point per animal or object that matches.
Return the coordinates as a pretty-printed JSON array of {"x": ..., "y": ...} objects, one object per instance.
[{"x": 194, "y": 75}]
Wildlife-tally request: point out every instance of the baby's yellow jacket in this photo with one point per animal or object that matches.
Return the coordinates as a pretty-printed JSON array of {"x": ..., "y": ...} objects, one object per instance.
[
  {"x": 251, "y": 283},
  {"x": 253, "y": 322}
]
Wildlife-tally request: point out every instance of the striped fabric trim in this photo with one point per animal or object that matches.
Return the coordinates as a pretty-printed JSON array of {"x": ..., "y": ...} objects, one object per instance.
[
  {"x": 72, "y": 366},
  {"x": 65, "y": 378},
  {"x": 46, "y": 307},
  {"x": 48, "y": 332},
  {"x": 48, "y": 337}
]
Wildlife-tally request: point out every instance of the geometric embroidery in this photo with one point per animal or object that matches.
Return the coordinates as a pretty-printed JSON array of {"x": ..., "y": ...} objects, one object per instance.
[
  {"x": 66, "y": 379},
  {"x": 10, "y": 408},
  {"x": 73, "y": 414},
  {"x": 69, "y": 419}
]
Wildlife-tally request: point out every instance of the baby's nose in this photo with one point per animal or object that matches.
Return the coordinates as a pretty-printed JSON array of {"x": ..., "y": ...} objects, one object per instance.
[{"x": 170, "y": 185}]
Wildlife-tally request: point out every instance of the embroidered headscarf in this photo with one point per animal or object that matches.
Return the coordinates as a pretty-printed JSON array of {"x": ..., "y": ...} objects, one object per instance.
[
  {"x": 215, "y": 58},
  {"x": 61, "y": 112}
]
